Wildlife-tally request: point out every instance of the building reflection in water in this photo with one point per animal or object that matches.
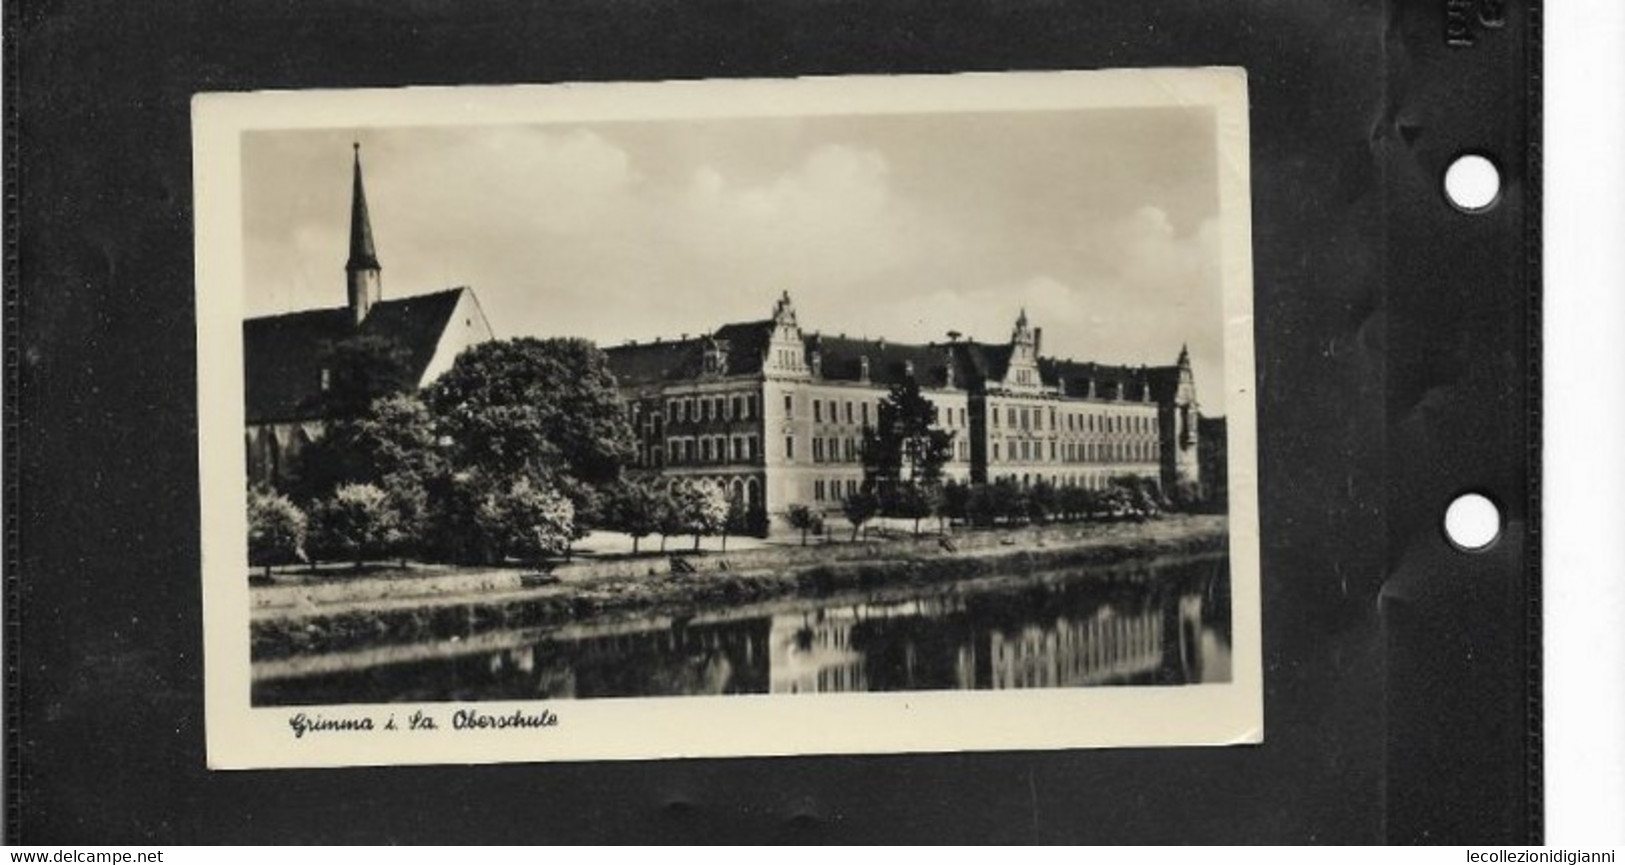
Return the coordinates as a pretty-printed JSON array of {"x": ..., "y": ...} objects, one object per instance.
[{"x": 1166, "y": 624}]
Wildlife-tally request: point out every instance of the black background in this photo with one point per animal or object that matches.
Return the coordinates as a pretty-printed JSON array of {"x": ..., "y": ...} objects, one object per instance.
[{"x": 1395, "y": 370}]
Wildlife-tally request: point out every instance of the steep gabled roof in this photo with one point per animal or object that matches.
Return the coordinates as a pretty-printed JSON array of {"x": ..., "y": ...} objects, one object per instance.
[
  {"x": 1110, "y": 382},
  {"x": 636, "y": 364},
  {"x": 282, "y": 354},
  {"x": 841, "y": 359}
]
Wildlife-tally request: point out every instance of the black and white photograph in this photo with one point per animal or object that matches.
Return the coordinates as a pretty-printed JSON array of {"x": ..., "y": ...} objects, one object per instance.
[{"x": 631, "y": 421}]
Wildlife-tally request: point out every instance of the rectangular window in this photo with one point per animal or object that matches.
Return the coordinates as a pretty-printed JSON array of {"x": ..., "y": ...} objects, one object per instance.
[
  {"x": 789, "y": 406},
  {"x": 738, "y": 406},
  {"x": 818, "y": 411},
  {"x": 818, "y": 491},
  {"x": 722, "y": 408},
  {"x": 818, "y": 449},
  {"x": 1010, "y": 417},
  {"x": 750, "y": 447},
  {"x": 750, "y": 407},
  {"x": 789, "y": 447},
  {"x": 705, "y": 409},
  {"x": 1052, "y": 451},
  {"x": 705, "y": 450},
  {"x": 848, "y": 411},
  {"x": 851, "y": 487},
  {"x": 865, "y": 409},
  {"x": 995, "y": 451},
  {"x": 1052, "y": 418}
]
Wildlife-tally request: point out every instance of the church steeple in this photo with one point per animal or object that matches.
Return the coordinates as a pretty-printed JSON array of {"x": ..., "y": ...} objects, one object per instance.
[{"x": 362, "y": 271}]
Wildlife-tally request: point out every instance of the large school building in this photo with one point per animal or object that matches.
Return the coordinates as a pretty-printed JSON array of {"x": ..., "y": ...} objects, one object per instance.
[{"x": 775, "y": 415}]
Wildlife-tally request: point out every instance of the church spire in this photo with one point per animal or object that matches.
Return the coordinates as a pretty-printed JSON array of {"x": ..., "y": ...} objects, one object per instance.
[{"x": 362, "y": 270}]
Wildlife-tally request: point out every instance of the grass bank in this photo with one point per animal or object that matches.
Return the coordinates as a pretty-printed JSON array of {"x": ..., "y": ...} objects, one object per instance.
[{"x": 596, "y": 588}]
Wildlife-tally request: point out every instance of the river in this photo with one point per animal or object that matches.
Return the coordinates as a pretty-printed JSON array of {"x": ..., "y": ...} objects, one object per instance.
[{"x": 1160, "y": 622}]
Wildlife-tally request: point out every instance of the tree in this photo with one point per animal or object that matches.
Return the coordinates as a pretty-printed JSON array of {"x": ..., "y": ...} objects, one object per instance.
[
  {"x": 276, "y": 530},
  {"x": 547, "y": 409},
  {"x": 634, "y": 508},
  {"x": 701, "y": 508},
  {"x": 803, "y": 519},
  {"x": 737, "y": 521},
  {"x": 859, "y": 508},
  {"x": 392, "y": 445},
  {"x": 910, "y": 501},
  {"x": 529, "y": 521},
  {"x": 956, "y": 500},
  {"x": 357, "y": 523},
  {"x": 1007, "y": 500},
  {"x": 1042, "y": 501},
  {"x": 903, "y": 445}
]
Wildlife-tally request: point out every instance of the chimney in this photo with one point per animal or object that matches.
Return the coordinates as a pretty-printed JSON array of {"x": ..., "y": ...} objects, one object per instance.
[
  {"x": 863, "y": 369},
  {"x": 817, "y": 362},
  {"x": 1038, "y": 342}
]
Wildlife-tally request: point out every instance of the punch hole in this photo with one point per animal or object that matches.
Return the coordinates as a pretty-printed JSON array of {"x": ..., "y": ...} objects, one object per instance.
[
  {"x": 1472, "y": 522},
  {"x": 1472, "y": 182}
]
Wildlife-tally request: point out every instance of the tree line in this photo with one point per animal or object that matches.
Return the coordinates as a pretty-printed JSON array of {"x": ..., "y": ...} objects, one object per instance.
[{"x": 514, "y": 453}]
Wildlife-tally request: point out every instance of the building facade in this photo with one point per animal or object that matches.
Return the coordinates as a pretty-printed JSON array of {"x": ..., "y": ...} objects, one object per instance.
[{"x": 776, "y": 415}]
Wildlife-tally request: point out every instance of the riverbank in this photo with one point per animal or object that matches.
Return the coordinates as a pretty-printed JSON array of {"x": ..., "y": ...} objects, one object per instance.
[{"x": 331, "y": 616}]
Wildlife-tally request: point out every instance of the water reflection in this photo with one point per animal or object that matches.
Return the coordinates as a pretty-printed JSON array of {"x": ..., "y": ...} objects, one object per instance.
[{"x": 1150, "y": 623}]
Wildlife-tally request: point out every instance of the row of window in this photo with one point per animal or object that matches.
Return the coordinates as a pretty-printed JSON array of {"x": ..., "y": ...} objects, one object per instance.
[
  {"x": 694, "y": 409},
  {"x": 1076, "y": 452},
  {"x": 838, "y": 411},
  {"x": 850, "y": 450},
  {"x": 703, "y": 450},
  {"x": 1017, "y": 417},
  {"x": 834, "y": 490}
]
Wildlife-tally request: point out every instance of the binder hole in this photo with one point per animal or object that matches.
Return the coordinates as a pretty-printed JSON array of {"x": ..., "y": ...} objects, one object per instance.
[
  {"x": 1472, "y": 182},
  {"x": 1472, "y": 522}
]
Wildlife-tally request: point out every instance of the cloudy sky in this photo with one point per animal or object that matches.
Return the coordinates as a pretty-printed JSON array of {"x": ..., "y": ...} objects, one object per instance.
[{"x": 1102, "y": 223}]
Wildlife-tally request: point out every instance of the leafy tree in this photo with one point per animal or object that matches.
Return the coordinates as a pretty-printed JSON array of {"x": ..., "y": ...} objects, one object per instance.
[
  {"x": 956, "y": 500},
  {"x": 903, "y": 445},
  {"x": 803, "y": 519},
  {"x": 701, "y": 508},
  {"x": 670, "y": 515},
  {"x": 360, "y": 369},
  {"x": 1042, "y": 501},
  {"x": 357, "y": 523},
  {"x": 527, "y": 520},
  {"x": 910, "y": 501},
  {"x": 737, "y": 521},
  {"x": 547, "y": 409},
  {"x": 635, "y": 508},
  {"x": 1007, "y": 500},
  {"x": 859, "y": 508},
  {"x": 276, "y": 530},
  {"x": 392, "y": 444}
]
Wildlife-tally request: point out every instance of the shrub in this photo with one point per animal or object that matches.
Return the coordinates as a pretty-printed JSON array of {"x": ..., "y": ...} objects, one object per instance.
[
  {"x": 276, "y": 530},
  {"x": 527, "y": 520},
  {"x": 804, "y": 519},
  {"x": 356, "y": 523},
  {"x": 859, "y": 508}
]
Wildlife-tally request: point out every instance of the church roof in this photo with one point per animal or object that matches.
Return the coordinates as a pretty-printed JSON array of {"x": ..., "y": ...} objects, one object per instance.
[{"x": 282, "y": 354}]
